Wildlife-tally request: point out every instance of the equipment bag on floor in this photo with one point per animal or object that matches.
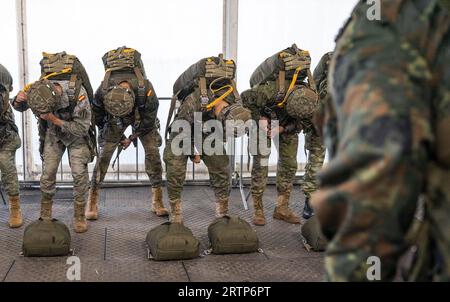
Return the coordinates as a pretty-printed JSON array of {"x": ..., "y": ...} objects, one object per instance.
[
  {"x": 46, "y": 238},
  {"x": 172, "y": 241},
  {"x": 232, "y": 235},
  {"x": 313, "y": 239}
]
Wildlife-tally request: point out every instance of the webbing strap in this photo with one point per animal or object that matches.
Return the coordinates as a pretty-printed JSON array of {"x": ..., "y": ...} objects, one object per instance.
[
  {"x": 291, "y": 86},
  {"x": 72, "y": 87},
  {"x": 203, "y": 92},
  {"x": 141, "y": 82},
  {"x": 282, "y": 81},
  {"x": 105, "y": 83}
]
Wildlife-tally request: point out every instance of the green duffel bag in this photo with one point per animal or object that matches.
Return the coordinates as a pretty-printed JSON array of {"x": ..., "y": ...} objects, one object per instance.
[
  {"x": 232, "y": 235},
  {"x": 46, "y": 238},
  {"x": 172, "y": 241},
  {"x": 313, "y": 239}
]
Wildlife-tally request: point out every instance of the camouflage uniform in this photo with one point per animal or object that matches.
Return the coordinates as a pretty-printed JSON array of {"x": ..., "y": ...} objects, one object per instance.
[
  {"x": 111, "y": 129},
  {"x": 256, "y": 99},
  {"x": 9, "y": 143},
  {"x": 390, "y": 82},
  {"x": 73, "y": 136},
  {"x": 325, "y": 117},
  {"x": 218, "y": 165}
]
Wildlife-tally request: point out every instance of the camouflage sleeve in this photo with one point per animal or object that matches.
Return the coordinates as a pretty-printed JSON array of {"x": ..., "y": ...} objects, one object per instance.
[
  {"x": 81, "y": 118},
  {"x": 148, "y": 112},
  {"x": 21, "y": 107},
  {"x": 189, "y": 106},
  {"x": 98, "y": 110},
  {"x": 369, "y": 189},
  {"x": 254, "y": 101}
]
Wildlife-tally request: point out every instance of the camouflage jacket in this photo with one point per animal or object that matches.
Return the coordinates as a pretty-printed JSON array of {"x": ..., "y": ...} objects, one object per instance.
[
  {"x": 76, "y": 117},
  {"x": 143, "y": 118},
  {"x": 261, "y": 98}
]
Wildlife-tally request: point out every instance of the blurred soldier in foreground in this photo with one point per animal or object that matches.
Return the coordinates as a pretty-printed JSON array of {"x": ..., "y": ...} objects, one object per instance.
[
  {"x": 60, "y": 99},
  {"x": 279, "y": 92},
  {"x": 9, "y": 143},
  {"x": 126, "y": 97},
  {"x": 390, "y": 85},
  {"x": 206, "y": 91}
]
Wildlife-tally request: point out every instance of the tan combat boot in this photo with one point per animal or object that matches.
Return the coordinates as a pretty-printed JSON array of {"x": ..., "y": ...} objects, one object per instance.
[
  {"x": 221, "y": 207},
  {"x": 92, "y": 204},
  {"x": 282, "y": 211},
  {"x": 46, "y": 206},
  {"x": 157, "y": 203},
  {"x": 79, "y": 218},
  {"x": 175, "y": 207},
  {"x": 258, "y": 214},
  {"x": 15, "y": 214}
]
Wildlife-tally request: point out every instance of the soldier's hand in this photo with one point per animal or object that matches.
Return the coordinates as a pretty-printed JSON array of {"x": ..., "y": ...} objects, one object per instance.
[
  {"x": 21, "y": 97},
  {"x": 196, "y": 159},
  {"x": 264, "y": 124},
  {"x": 276, "y": 131},
  {"x": 51, "y": 118},
  {"x": 125, "y": 143}
]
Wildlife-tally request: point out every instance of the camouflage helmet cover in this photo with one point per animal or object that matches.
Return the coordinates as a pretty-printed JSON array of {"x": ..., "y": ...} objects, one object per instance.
[
  {"x": 42, "y": 97},
  {"x": 302, "y": 102},
  {"x": 5, "y": 79},
  {"x": 119, "y": 101}
]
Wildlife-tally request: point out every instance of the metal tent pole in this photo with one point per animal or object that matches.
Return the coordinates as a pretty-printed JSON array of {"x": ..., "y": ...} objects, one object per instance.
[{"x": 22, "y": 42}]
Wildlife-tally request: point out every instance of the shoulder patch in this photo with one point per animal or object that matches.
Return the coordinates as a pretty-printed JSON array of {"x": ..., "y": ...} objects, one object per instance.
[
  {"x": 81, "y": 98},
  {"x": 150, "y": 92}
]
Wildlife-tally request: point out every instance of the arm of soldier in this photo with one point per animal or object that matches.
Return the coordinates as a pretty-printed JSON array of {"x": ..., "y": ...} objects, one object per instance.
[
  {"x": 382, "y": 114},
  {"x": 19, "y": 103},
  {"x": 98, "y": 110},
  {"x": 148, "y": 114},
  {"x": 81, "y": 121}
]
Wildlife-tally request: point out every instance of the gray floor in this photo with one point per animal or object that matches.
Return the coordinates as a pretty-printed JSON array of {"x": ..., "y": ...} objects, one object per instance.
[{"x": 114, "y": 250}]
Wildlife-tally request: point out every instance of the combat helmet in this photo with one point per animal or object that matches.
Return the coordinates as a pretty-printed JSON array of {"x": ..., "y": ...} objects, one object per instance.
[
  {"x": 5, "y": 79},
  {"x": 42, "y": 97},
  {"x": 119, "y": 101},
  {"x": 301, "y": 102}
]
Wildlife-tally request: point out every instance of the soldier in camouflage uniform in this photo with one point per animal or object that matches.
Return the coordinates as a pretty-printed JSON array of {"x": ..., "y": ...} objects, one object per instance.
[
  {"x": 290, "y": 125},
  {"x": 66, "y": 128},
  {"x": 229, "y": 108},
  {"x": 145, "y": 126},
  {"x": 390, "y": 85},
  {"x": 9, "y": 143},
  {"x": 324, "y": 118}
]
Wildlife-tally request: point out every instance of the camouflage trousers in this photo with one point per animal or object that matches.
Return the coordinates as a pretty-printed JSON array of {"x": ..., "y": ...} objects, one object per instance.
[
  {"x": 218, "y": 169},
  {"x": 316, "y": 156},
  {"x": 8, "y": 164},
  {"x": 151, "y": 143},
  {"x": 392, "y": 104},
  {"x": 79, "y": 157},
  {"x": 287, "y": 164}
]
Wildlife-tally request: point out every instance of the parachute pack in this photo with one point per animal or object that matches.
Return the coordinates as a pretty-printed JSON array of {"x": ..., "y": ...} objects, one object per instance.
[
  {"x": 213, "y": 76},
  {"x": 65, "y": 67},
  {"x": 125, "y": 65},
  {"x": 292, "y": 66}
]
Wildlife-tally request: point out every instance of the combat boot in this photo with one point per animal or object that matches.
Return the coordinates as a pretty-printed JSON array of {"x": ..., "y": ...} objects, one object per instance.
[
  {"x": 157, "y": 203},
  {"x": 258, "y": 214},
  {"x": 221, "y": 207},
  {"x": 46, "y": 206},
  {"x": 282, "y": 211},
  {"x": 79, "y": 217},
  {"x": 15, "y": 214},
  {"x": 92, "y": 205},
  {"x": 175, "y": 207},
  {"x": 308, "y": 211}
]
